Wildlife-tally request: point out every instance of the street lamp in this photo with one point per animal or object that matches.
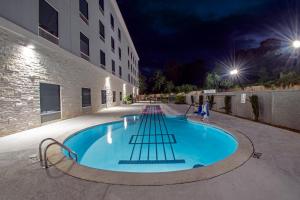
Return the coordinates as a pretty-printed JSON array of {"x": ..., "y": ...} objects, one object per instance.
[
  {"x": 296, "y": 44},
  {"x": 235, "y": 73}
]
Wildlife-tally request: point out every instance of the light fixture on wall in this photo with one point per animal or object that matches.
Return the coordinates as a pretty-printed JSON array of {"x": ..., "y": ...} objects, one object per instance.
[{"x": 30, "y": 46}]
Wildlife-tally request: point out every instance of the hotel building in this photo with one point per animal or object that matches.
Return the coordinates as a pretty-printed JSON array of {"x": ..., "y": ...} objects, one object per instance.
[{"x": 62, "y": 58}]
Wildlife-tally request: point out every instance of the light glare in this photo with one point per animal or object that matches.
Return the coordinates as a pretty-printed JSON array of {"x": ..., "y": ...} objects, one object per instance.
[
  {"x": 296, "y": 44},
  {"x": 234, "y": 72}
]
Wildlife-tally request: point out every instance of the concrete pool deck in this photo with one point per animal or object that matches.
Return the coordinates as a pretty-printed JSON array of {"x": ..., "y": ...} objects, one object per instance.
[{"x": 276, "y": 175}]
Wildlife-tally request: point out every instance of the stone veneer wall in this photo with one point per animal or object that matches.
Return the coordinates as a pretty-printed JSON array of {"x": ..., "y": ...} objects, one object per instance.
[
  {"x": 280, "y": 108},
  {"x": 23, "y": 69}
]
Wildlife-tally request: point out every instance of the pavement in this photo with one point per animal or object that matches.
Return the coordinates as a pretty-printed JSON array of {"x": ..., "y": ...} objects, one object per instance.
[{"x": 276, "y": 175}]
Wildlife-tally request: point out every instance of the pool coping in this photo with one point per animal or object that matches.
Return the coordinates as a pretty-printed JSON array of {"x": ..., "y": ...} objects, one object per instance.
[{"x": 237, "y": 159}]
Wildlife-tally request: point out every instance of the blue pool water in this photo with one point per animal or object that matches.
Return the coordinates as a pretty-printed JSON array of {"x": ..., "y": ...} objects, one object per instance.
[{"x": 151, "y": 142}]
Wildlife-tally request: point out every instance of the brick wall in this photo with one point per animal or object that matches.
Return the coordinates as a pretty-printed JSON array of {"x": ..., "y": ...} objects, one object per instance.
[{"x": 23, "y": 69}]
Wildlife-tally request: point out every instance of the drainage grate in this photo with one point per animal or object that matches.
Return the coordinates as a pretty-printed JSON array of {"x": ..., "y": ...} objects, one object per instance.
[{"x": 257, "y": 155}]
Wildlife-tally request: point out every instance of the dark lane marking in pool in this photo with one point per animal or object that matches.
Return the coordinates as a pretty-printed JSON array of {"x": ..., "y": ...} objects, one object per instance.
[
  {"x": 162, "y": 138},
  {"x": 142, "y": 119},
  {"x": 147, "y": 115},
  {"x": 168, "y": 136},
  {"x": 149, "y": 132}
]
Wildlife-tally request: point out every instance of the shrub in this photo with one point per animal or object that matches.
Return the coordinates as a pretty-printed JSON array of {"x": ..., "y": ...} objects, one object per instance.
[
  {"x": 227, "y": 103},
  {"x": 128, "y": 99},
  {"x": 255, "y": 106},
  {"x": 180, "y": 99}
]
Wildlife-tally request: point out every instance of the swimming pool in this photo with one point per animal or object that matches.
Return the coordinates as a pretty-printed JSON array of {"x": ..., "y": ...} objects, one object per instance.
[{"x": 151, "y": 142}]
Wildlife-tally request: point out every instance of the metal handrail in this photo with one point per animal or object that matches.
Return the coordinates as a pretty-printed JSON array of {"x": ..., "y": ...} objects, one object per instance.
[
  {"x": 188, "y": 109},
  {"x": 46, "y": 149}
]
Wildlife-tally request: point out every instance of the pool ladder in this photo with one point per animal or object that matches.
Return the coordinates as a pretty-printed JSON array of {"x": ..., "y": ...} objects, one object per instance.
[{"x": 54, "y": 142}]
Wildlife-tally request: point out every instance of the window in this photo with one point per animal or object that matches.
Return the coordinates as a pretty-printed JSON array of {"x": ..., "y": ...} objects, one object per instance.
[
  {"x": 119, "y": 34},
  {"x": 128, "y": 65},
  {"x": 114, "y": 96},
  {"x": 120, "y": 53},
  {"x": 103, "y": 96},
  {"x": 84, "y": 46},
  {"x": 128, "y": 50},
  {"x": 49, "y": 98},
  {"x": 112, "y": 41},
  {"x": 120, "y": 71},
  {"x": 101, "y": 5},
  {"x": 86, "y": 97},
  {"x": 121, "y": 98},
  {"x": 112, "y": 22},
  {"x": 102, "y": 31},
  {"x": 48, "y": 22},
  {"x": 84, "y": 10},
  {"x": 113, "y": 66},
  {"x": 102, "y": 59}
]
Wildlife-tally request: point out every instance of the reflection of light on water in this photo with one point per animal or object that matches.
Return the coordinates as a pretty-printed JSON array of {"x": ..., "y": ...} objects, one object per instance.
[
  {"x": 134, "y": 118},
  {"x": 108, "y": 135},
  {"x": 125, "y": 123}
]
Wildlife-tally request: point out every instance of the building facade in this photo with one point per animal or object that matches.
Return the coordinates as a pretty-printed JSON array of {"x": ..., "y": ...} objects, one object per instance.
[{"x": 62, "y": 58}]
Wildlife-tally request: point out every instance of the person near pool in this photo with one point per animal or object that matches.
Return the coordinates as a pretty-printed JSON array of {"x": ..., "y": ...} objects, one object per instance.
[{"x": 203, "y": 110}]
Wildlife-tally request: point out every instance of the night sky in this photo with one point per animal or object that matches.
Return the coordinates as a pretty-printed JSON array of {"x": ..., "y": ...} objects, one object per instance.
[{"x": 183, "y": 31}]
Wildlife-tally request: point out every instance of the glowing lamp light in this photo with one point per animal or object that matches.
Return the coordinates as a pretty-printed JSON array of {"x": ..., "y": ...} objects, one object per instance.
[
  {"x": 234, "y": 72},
  {"x": 30, "y": 46},
  {"x": 296, "y": 44}
]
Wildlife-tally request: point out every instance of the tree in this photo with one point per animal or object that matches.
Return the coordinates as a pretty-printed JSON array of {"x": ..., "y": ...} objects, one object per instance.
[
  {"x": 142, "y": 84},
  {"x": 169, "y": 87},
  {"x": 159, "y": 80},
  {"x": 212, "y": 81},
  {"x": 186, "y": 88}
]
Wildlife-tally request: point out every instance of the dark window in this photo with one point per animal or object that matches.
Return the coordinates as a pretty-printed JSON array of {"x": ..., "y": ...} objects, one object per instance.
[
  {"x": 121, "y": 96},
  {"x": 113, "y": 66},
  {"x": 101, "y": 30},
  {"x": 128, "y": 50},
  {"x": 49, "y": 98},
  {"x": 84, "y": 44},
  {"x": 102, "y": 59},
  {"x": 114, "y": 96},
  {"x": 112, "y": 44},
  {"x": 84, "y": 8},
  {"x": 101, "y": 5},
  {"x": 119, "y": 34},
  {"x": 48, "y": 18},
  {"x": 86, "y": 97},
  {"x": 103, "y": 96},
  {"x": 112, "y": 21},
  {"x": 120, "y": 71},
  {"x": 120, "y": 53},
  {"x": 128, "y": 64}
]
